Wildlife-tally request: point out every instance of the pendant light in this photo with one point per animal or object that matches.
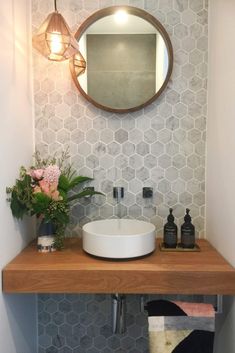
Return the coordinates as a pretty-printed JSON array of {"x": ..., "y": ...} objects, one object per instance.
[
  {"x": 79, "y": 64},
  {"x": 54, "y": 39}
]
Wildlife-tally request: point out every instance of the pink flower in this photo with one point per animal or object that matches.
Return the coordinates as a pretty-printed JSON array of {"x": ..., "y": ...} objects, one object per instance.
[
  {"x": 56, "y": 196},
  {"x": 45, "y": 187},
  {"x": 36, "y": 174},
  {"x": 51, "y": 174},
  {"x": 37, "y": 189},
  {"x": 49, "y": 189}
]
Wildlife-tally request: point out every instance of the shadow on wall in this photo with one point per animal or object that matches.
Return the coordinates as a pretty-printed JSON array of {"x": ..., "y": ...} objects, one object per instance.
[{"x": 225, "y": 326}]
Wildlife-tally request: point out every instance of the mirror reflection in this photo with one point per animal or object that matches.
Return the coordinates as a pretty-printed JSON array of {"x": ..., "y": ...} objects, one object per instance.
[{"x": 128, "y": 57}]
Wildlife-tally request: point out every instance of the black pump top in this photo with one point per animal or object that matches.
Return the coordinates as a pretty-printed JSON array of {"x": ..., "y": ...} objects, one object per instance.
[
  {"x": 170, "y": 218},
  {"x": 187, "y": 217}
]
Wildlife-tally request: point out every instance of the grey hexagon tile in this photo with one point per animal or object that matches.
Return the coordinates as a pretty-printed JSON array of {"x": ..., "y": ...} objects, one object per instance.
[
  {"x": 157, "y": 148},
  {"x": 99, "y": 149},
  {"x": 202, "y": 17},
  {"x": 113, "y": 148},
  {"x": 128, "y": 148},
  {"x": 164, "y": 186},
  {"x": 195, "y": 110},
  {"x": 172, "y": 148},
  {"x": 121, "y": 161},
  {"x": 178, "y": 186},
  {"x": 136, "y": 161},
  {"x": 171, "y": 198},
  {"x": 84, "y": 149},
  {"x": 92, "y": 136},
  {"x": 185, "y": 198},
  {"x": 128, "y": 173},
  {"x": 70, "y": 123},
  {"x": 142, "y": 148},
  {"x": 180, "y": 5},
  {"x": 186, "y": 173},
  {"x": 179, "y": 136},
  {"x": 173, "y": 18},
  {"x": 188, "y": 71},
  {"x": 181, "y": 31},
  {"x": 165, "y": 135},
  {"x": 172, "y": 97},
  {"x": 106, "y": 136},
  {"x": 48, "y": 136},
  {"x": 181, "y": 57},
  {"x": 165, "y": 110},
  {"x": 171, "y": 173},
  {"x": 143, "y": 174},
  {"x": 158, "y": 123},
  {"x": 188, "y": 44},
  {"x": 150, "y": 135},
  {"x": 99, "y": 123},
  {"x": 106, "y": 161},
  {"x": 63, "y": 136},
  {"x": 135, "y": 211},
  {"x": 172, "y": 123},
  {"x": 195, "y": 84},
  {"x": 77, "y": 136},
  {"x": 187, "y": 123},
  {"x": 150, "y": 161}
]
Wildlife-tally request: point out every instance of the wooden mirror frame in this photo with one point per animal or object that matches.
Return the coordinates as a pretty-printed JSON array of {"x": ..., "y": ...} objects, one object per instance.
[{"x": 136, "y": 12}]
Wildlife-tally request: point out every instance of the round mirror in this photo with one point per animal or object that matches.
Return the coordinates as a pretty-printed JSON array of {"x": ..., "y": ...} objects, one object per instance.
[{"x": 128, "y": 56}]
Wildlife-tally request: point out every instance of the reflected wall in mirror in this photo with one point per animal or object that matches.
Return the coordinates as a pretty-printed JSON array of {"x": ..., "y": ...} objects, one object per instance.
[{"x": 129, "y": 59}]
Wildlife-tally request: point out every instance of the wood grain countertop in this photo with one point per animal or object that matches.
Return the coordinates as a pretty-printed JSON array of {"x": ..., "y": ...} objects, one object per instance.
[{"x": 74, "y": 271}]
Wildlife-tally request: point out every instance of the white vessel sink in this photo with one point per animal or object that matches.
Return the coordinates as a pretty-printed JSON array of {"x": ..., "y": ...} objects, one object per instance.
[{"x": 119, "y": 238}]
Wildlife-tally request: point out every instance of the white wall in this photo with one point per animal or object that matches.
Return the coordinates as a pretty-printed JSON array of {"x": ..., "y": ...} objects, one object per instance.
[
  {"x": 17, "y": 312},
  {"x": 220, "y": 183}
]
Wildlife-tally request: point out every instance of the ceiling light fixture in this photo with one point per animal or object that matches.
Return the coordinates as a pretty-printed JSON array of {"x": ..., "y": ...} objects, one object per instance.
[{"x": 54, "y": 39}]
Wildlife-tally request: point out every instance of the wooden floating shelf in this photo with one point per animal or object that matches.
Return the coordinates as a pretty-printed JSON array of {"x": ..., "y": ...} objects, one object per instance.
[{"x": 73, "y": 271}]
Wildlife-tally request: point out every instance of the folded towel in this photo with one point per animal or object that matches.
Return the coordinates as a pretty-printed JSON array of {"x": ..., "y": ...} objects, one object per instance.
[{"x": 180, "y": 327}]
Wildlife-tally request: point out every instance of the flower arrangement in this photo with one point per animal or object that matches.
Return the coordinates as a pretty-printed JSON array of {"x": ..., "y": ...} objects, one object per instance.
[{"x": 46, "y": 190}]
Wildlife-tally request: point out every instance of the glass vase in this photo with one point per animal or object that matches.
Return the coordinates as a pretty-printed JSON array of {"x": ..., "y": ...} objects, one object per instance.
[{"x": 46, "y": 236}]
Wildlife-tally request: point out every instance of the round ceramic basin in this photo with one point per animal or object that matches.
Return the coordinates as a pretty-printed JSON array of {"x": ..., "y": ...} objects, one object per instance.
[{"x": 119, "y": 238}]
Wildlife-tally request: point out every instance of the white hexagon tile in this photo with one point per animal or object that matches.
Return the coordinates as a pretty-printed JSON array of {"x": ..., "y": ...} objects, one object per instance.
[{"x": 162, "y": 145}]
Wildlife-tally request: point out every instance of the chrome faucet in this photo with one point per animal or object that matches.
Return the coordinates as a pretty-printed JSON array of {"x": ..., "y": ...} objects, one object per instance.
[{"x": 118, "y": 194}]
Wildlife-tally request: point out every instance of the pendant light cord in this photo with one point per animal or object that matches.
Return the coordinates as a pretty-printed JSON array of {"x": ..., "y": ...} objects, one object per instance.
[{"x": 55, "y": 5}]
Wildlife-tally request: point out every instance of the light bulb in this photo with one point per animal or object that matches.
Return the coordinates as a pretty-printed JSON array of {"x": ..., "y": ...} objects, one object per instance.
[
  {"x": 55, "y": 43},
  {"x": 121, "y": 16}
]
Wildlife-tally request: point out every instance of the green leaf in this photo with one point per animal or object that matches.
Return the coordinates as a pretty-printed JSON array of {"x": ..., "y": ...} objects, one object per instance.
[
  {"x": 40, "y": 202},
  {"x": 17, "y": 207},
  {"x": 78, "y": 180},
  {"x": 83, "y": 193},
  {"x": 63, "y": 183}
]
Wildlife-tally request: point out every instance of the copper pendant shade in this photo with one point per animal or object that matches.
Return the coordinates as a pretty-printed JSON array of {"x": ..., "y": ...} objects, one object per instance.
[
  {"x": 54, "y": 39},
  {"x": 79, "y": 64}
]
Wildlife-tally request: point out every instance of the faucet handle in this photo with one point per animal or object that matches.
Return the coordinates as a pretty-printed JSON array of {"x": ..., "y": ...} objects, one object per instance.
[{"x": 118, "y": 192}]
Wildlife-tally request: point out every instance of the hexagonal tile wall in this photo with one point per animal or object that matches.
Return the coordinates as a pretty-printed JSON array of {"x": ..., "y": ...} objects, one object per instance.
[
  {"x": 166, "y": 137},
  {"x": 73, "y": 323},
  {"x": 161, "y": 146}
]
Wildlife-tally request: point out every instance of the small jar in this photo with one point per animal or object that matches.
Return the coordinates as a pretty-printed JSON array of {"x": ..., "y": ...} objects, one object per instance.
[{"x": 46, "y": 243}]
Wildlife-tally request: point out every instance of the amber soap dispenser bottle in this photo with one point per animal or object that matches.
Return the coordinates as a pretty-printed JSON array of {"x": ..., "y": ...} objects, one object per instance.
[
  {"x": 187, "y": 232},
  {"x": 170, "y": 232}
]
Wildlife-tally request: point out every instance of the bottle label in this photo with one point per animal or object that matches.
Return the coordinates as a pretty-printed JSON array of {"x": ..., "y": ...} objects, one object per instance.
[
  {"x": 170, "y": 236},
  {"x": 187, "y": 238}
]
